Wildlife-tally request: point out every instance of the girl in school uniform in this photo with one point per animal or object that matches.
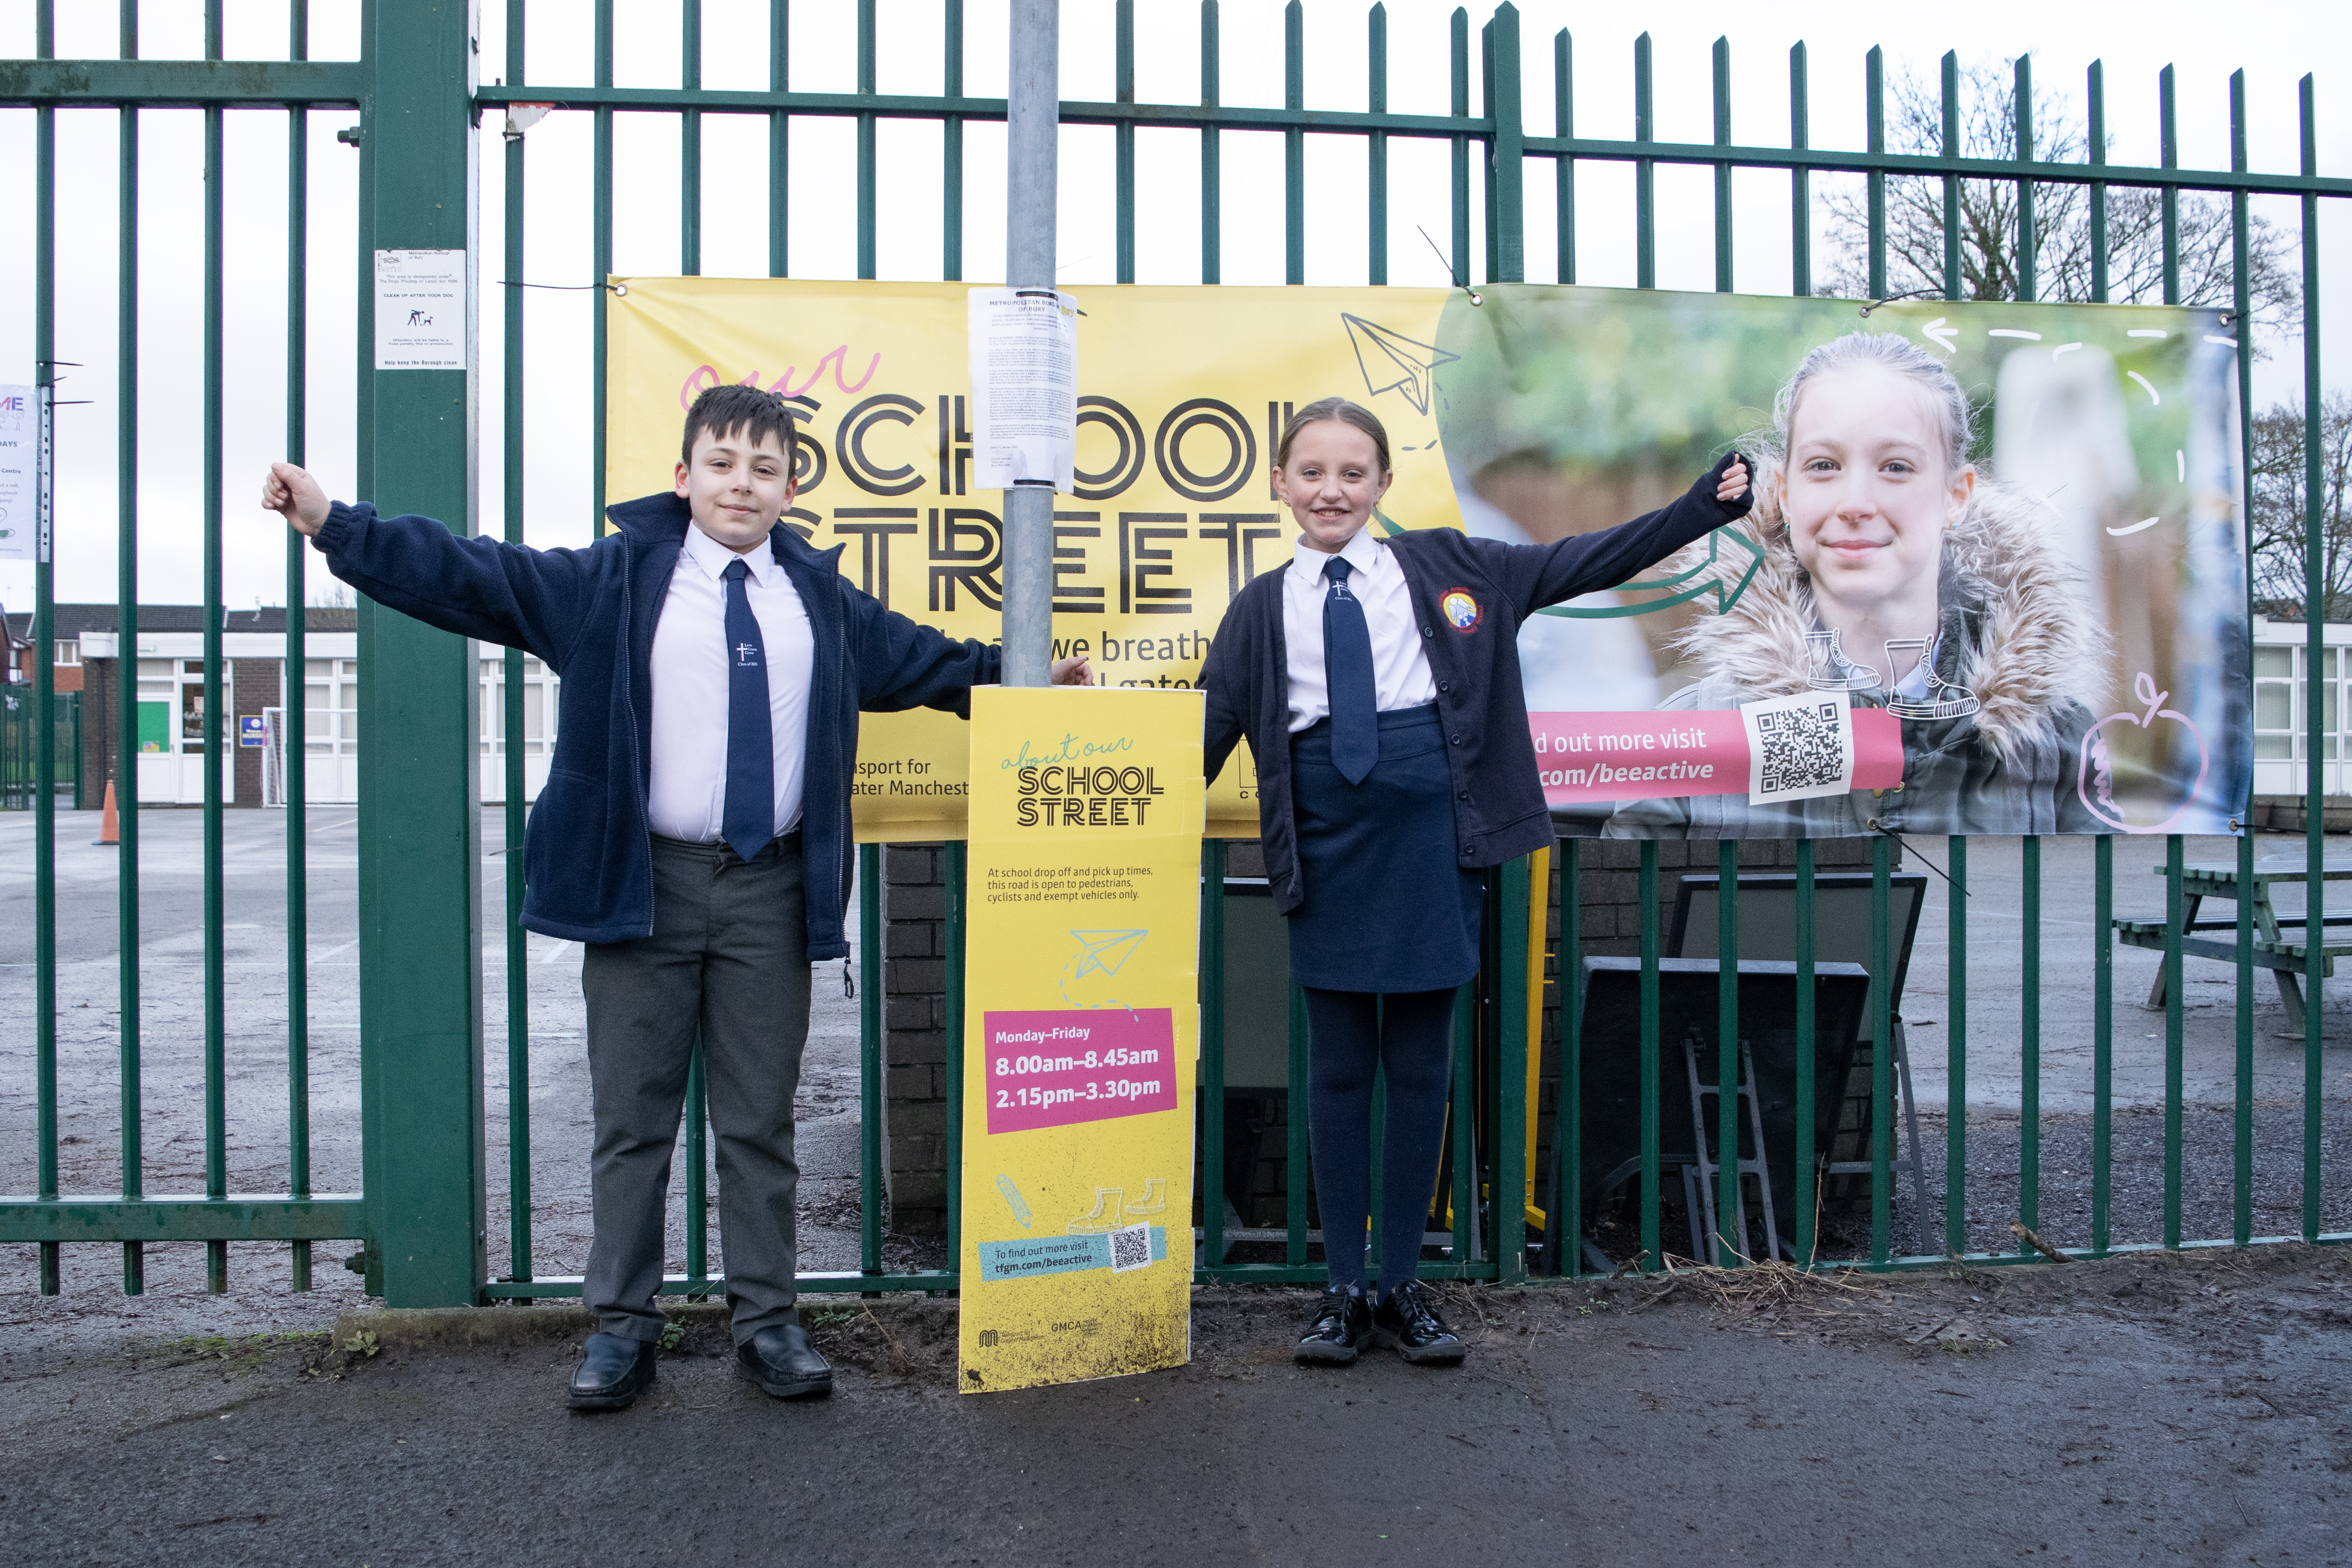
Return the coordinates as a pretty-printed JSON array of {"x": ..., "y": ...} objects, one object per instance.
[{"x": 1377, "y": 681}]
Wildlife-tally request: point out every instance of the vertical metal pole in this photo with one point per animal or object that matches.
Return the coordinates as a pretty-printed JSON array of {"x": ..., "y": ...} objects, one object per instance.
[
  {"x": 2029, "y": 1092},
  {"x": 600, "y": 264},
  {"x": 1293, "y": 146},
  {"x": 1648, "y": 884},
  {"x": 1808, "y": 1065},
  {"x": 1513, "y": 978},
  {"x": 1212, "y": 1052},
  {"x": 955, "y": 864},
  {"x": 1951, "y": 146},
  {"x": 869, "y": 1058},
  {"x": 1956, "y": 1055},
  {"x": 1463, "y": 1116},
  {"x": 1874, "y": 80},
  {"x": 215, "y": 878},
  {"x": 2097, "y": 84},
  {"x": 45, "y": 836},
  {"x": 1881, "y": 1061},
  {"x": 1507, "y": 251},
  {"x": 2313, "y": 490},
  {"x": 2103, "y": 1038},
  {"x": 2241, "y": 248},
  {"x": 952, "y": 168},
  {"x": 1212, "y": 248},
  {"x": 1731, "y": 1236},
  {"x": 1033, "y": 130},
  {"x": 779, "y": 131},
  {"x": 1722, "y": 68},
  {"x": 126, "y": 661},
  {"x": 517, "y": 941},
  {"x": 2168, "y": 155},
  {"x": 1645, "y": 173},
  {"x": 2174, "y": 903},
  {"x": 420, "y": 823},
  {"x": 1376, "y": 149},
  {"x": 293, "y": 773},
  {"x": 2027, "y": 261},
  {"x": 1800, "y": 194},
  {"x": 1122, "y": 136},
  {"x": 867, "y": 173},
  {"x": 1563, "y": 111},
  {"x": 1567, "y": 1224},
  {"x": 1459, "y": 173},
  {"x": 689, "y": 263}
]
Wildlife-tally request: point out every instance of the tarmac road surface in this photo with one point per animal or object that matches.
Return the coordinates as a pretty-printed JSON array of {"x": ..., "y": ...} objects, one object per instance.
[{"x": 2157, "y": 1408}]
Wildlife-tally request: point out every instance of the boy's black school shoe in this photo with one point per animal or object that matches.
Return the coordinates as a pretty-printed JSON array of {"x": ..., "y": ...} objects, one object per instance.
[
  {"x": 1342, "y": 1327},
  {"x": 1407, "y": 1321}
]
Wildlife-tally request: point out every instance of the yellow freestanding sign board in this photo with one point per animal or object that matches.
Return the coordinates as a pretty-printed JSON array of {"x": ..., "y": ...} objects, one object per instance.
[{"x": 1081, "y": 1030}]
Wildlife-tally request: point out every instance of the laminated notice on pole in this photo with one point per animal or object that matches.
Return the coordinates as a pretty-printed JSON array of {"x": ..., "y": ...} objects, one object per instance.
[
  {"x": 420, "y": 311},
  {"x": 18, "y": 497},
  {"x": 1024, "y": 387}
]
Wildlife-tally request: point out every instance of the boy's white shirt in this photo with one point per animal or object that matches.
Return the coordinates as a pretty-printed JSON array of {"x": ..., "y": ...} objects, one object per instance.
[{"x": 690, "y": 663}]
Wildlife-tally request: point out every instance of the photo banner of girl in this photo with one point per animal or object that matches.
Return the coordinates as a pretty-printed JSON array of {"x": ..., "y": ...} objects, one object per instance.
[
  {"x": 1993, "y": 581},
  {"x": 1996, "y": 556}
]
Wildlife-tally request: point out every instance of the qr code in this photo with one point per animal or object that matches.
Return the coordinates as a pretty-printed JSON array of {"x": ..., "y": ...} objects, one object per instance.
[
  {"x": 1131, "y": 1248},
  {"x": 1800, "y": 747}
]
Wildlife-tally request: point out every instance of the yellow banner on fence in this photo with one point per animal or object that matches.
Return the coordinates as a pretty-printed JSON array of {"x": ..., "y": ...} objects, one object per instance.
[
  {"x": 1082, "y": 1023},
  {"x": 1182, "y": 396}
]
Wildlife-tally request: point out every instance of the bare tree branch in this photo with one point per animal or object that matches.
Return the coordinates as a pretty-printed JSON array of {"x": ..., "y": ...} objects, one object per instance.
[
  {"x": 1989, "y": 213},
  {"x": 2280, "y": 520}
]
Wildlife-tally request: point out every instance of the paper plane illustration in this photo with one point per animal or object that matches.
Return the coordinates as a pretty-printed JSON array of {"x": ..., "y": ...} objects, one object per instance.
[
  {"x": 1105, "y": 951},
  {"x": 1393, "y": 362}
]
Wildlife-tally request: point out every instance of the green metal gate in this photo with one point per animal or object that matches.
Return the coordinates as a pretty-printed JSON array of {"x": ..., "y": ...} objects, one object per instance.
[{"x": 422, "y": 1209}]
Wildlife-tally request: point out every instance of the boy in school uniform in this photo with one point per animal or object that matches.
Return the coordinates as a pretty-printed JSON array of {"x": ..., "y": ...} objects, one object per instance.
[{"x": 694, "y": 833}]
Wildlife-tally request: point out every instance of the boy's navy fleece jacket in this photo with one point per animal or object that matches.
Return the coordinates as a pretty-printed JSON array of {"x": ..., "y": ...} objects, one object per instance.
[
  {"x": 1498, "y": 805},
  {"x": 589, "y": 615}
]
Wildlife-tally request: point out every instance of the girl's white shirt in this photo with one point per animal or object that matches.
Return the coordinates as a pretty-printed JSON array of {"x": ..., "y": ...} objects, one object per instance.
[{"x": 1401, "y": 677}]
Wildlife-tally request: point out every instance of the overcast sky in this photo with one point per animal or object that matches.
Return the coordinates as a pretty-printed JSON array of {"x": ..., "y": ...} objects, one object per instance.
[{"x": 2274, "y": 41}]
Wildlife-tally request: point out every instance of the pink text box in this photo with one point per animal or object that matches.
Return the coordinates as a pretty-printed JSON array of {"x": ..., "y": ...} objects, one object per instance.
[
  {"x": 1638, "y": 755},
  {"x": 1077, "y": 1064}
]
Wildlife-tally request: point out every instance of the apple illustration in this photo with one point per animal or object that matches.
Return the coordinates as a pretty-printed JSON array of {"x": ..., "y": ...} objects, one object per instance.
[{"x": 2095, "y": 779}]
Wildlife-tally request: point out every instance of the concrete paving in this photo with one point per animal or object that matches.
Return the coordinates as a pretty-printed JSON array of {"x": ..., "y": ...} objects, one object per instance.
[{"x": 2148, "y": 1409}]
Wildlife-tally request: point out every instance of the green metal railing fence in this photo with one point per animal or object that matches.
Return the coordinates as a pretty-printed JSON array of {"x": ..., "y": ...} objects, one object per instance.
[{"x": 423, "y": 1209}]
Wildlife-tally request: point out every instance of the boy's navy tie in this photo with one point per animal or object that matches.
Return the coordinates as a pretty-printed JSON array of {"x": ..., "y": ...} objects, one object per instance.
[
  {"x": 749, "y": 819},
  {"x": 1348, "y": 673}
]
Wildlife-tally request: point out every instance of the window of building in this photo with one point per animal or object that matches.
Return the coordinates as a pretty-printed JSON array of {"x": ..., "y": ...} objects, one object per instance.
[
  {"x": 2281, "y": 694},
  {"x": 68, "y": 650}
]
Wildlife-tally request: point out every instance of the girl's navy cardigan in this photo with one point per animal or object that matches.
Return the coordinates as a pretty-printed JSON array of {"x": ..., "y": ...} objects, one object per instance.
[{"x": 1498, "y": 805}]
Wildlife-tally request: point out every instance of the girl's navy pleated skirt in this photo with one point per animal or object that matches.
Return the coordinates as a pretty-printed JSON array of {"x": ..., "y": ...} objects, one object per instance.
[{"x": 1387, "y": 907}]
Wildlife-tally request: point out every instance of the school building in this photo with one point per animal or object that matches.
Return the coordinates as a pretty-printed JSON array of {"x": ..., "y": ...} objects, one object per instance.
[{"x": 169, "y": 672}]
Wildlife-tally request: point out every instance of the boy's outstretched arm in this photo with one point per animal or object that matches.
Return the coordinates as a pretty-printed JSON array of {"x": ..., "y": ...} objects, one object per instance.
[
  {"x": 904, "y": 664},
  {"x": 480, "y": 587}
]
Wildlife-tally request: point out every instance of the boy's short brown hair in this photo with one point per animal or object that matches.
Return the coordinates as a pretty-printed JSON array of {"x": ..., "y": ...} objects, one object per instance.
[{"x": 724, "y": 410}]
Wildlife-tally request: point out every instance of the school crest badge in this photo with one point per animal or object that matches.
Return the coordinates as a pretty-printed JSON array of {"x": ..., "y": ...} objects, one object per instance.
[{"x": 1462, "y": 612}]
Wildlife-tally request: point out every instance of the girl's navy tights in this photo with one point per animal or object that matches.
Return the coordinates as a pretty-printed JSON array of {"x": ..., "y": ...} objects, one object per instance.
[{"x": 1409, "y": 1036}]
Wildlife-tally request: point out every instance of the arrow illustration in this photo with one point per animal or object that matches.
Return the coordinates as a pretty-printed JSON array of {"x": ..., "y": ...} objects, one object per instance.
[{"x": 1943, "y": 336}]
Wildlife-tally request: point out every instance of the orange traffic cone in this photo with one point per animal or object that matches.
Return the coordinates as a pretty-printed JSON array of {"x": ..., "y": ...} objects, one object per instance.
[{"x": 109, "y": 827}]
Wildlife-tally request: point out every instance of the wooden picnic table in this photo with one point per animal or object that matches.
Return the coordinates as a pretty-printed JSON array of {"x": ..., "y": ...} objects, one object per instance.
[{"x": 2286, "y": 956}]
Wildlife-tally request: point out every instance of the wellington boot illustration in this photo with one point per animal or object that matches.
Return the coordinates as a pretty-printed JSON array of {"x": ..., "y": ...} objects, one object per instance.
[
  {"x": 1831, "y": 671},
  {"x": 1103, "y": 1215},
  {"x": 1154, "y": 1199}
]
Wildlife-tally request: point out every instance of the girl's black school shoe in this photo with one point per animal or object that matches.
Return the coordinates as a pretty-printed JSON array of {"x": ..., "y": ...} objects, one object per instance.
[
  {"x": 1342, "y": 1327},
  {"x": 1407, "y": 1321}
]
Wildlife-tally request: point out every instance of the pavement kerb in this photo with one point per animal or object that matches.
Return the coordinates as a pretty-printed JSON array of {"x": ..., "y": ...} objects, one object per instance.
[{"x": 475, "y": 1328}]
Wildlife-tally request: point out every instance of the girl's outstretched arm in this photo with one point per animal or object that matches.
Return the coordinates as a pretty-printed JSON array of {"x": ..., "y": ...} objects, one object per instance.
[{"x": 1538, "y": 575}]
